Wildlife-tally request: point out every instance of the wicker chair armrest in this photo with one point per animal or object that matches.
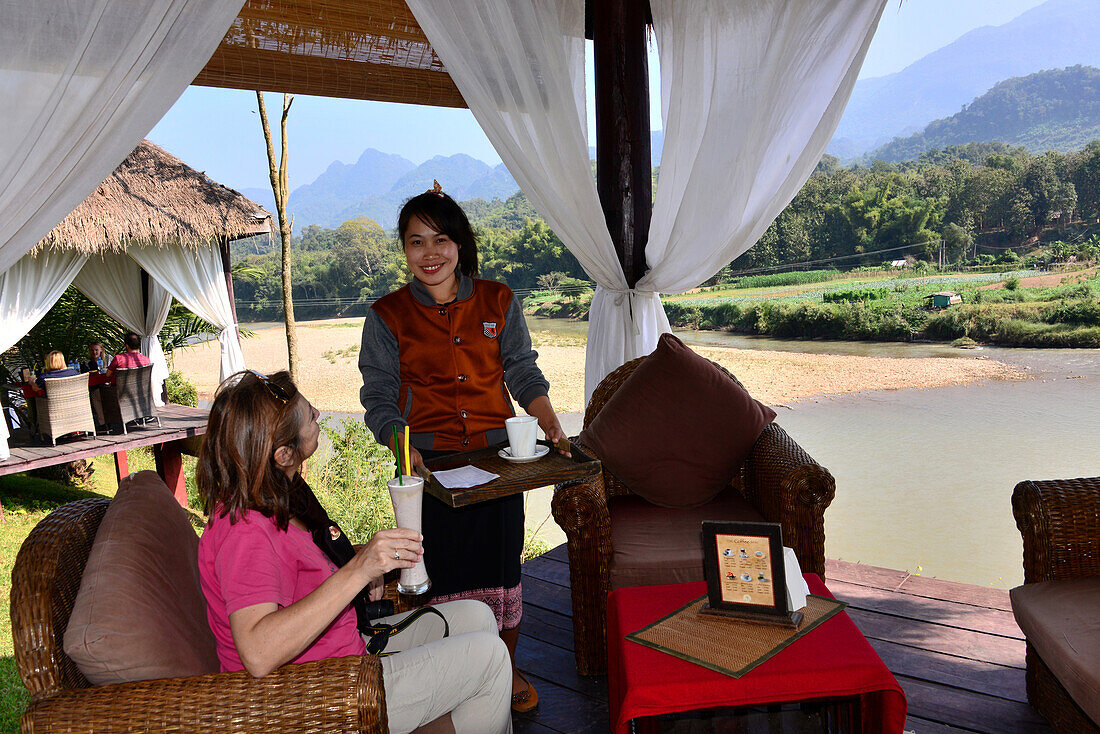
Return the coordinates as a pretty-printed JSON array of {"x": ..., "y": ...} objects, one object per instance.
[
  {"x": 1059, "y": 521},
  {"x": 787, "y": 486},
  {"x": 332, "y": 695}
]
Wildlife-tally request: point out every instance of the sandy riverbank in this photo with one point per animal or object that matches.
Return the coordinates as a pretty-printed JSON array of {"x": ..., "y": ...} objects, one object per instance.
[{"x": 331, "y": 378}]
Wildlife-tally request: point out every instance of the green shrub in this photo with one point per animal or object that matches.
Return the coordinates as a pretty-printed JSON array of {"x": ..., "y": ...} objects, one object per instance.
[
  {"x": 798, "y": 277},
  {"x": 351, "y": 481},
  {"x": 848, "y": 296},
  {"x": 1012, "y": 282},
  {"x": 180, "y": 390},
  {"x": 1084, "y": 312}
]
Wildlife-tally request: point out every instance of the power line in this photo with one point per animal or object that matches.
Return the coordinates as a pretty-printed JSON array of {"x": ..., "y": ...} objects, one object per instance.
[{"x": 776, "y": 268}]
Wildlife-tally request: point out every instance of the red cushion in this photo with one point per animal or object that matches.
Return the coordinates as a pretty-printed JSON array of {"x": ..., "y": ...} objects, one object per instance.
[{"x": 678, "y": 429}]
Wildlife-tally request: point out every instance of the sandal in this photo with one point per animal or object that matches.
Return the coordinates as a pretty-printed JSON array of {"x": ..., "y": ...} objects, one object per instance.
[{"x": 526, "y": 699}]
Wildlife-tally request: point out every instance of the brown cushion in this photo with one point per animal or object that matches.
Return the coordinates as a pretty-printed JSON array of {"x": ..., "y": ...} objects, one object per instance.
[
  {"x": 678, "y": 429},
  {"x": 140, "y": 613},
  {"x": 1061, "y": 620},
  {"x": 657, "y": 545}
]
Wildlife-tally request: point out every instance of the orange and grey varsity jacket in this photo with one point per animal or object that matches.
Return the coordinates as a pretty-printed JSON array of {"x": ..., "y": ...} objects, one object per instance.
[{"x": 447, "y": 370}]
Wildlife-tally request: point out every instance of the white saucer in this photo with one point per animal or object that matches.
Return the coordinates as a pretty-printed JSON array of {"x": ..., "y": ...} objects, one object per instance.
[{"x": 540, "y": 451}]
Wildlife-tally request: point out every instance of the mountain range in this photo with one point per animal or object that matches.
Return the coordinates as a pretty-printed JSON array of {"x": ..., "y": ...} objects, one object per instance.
[
  {"x": 378, "y": 183},
  {"x": 1057, "y": 109},
  {"x": 1056, "y": 34},
  {"x": 923, "y": 101}
]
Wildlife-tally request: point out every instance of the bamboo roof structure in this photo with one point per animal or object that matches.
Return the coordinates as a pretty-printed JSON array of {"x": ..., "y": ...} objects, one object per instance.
[
  {"x": 155, "y": 198},
  {"x": 371, "y": 49}
]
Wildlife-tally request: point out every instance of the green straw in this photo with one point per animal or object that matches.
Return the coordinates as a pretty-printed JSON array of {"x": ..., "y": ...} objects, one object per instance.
[{"x": 397, "y": 450}]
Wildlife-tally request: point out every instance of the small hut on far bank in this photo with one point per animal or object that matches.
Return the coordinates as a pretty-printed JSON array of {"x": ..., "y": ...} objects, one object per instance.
[{"x": 154, "y": 230}]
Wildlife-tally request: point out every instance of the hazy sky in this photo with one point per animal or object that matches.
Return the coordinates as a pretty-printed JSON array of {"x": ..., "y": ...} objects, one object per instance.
[{"x": 218, "y": 130}]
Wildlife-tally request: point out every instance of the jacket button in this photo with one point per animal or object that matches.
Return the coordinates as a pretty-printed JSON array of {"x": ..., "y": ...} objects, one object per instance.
[
  {"x": 462, "y": 378},
  {"x": 465, "y": 442},
  {"x": 463, "y": 413},
  {"x": 442, "y": 312},
  {"x": 457, "y": 340}
]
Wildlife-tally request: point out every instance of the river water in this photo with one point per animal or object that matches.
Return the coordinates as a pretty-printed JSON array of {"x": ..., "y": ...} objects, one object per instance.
[{"x": 925, "y": 476}]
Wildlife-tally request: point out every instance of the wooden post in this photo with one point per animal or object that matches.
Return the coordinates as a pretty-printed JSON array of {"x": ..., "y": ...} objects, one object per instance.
[
  {"x": 227, "y": 265},
  {"x": 122, "y": 466},
  {"x": 169, "y": 463},
  {"x": 623, "y": 160}
]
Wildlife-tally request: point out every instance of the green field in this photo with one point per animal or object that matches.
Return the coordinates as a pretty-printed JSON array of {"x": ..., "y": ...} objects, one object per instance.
[{"x": 886, "y": 305}]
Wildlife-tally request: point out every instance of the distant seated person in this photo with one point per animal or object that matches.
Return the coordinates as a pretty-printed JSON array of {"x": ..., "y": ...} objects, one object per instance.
[
  {"x": 55, "y": 367},
  {"x": 130, "y": 357},
  {"x": 97, "y": 358}
]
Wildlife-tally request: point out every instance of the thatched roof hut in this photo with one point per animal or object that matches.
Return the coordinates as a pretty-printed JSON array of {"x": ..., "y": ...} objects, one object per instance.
[{"x": 156, "y": 199}]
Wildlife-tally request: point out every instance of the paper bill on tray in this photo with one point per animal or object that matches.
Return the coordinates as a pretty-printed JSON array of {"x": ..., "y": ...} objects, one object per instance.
[{"x": 463, "y": 477}]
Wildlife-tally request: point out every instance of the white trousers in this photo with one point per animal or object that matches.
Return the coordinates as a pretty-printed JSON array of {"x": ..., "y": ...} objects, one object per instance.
[{"x": 468, "y": 673}]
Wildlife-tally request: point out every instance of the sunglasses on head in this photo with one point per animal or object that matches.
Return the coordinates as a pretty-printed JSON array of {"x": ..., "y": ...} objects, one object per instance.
[{"x": 277, "y": 391}]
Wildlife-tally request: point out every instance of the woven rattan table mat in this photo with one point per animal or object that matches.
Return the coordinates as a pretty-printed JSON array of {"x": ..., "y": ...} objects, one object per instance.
[{"x": 724, "y": 644}]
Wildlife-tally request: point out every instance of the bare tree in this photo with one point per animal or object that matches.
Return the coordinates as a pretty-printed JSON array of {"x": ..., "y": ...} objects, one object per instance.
[{"x": 280, "y": 188}]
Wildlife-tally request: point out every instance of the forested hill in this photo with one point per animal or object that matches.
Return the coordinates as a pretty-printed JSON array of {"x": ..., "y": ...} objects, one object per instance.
[
  {"x": 1056, "y": 34},
  {"x": 1050, "y": 110}
]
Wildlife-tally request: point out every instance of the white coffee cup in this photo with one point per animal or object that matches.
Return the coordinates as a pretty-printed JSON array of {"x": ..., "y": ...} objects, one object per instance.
[
  {"x": 522, "y": 432},
  {"x": 407, "y": 495}
]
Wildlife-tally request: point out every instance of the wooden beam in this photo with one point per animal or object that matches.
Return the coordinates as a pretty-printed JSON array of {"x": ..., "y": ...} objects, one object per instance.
[
  {"x": 238, "y": 67},
  {"x": 623, "y": 159}
]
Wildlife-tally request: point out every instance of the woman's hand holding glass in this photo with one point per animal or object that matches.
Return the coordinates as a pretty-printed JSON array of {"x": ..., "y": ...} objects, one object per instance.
[{"x": 389, "y": 549}]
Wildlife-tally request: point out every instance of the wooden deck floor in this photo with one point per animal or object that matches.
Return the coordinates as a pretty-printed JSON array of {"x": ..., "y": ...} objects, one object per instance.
[
  {"x": 954, "y": 648},
  {"x": 177, "y": 422}
]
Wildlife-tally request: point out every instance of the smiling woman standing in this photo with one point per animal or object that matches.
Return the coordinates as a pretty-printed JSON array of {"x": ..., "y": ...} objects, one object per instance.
[{"x": 444, "y": 355}]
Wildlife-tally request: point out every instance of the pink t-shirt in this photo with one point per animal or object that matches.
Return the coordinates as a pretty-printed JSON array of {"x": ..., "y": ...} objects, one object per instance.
[
  {"x": 128, "y": 360},
  {"x": 253, "y": 562}
]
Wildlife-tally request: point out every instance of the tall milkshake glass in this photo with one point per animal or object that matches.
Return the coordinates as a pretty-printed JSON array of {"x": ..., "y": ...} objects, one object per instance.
[{"x": 407, "y": 496}]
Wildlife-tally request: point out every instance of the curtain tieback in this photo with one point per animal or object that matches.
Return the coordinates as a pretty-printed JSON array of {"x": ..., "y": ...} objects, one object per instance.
[{"x": 629, "y": 295}]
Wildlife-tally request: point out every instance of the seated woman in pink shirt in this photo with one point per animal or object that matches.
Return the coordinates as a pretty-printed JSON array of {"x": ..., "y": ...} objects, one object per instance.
[{"x": 274, "y": 597}]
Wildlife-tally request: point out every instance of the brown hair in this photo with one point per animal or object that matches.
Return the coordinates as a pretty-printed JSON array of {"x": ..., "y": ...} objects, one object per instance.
[
  {"x": 236, "y": 468},
  {"x": 55, "y": 360}
]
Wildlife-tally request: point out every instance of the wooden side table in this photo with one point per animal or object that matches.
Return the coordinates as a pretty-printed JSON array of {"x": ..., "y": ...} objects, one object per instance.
[{"x": 832, "y": 664}]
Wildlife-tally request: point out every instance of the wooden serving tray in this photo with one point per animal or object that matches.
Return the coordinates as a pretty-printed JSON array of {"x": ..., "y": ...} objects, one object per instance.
[{"x": 514, "y": 477}]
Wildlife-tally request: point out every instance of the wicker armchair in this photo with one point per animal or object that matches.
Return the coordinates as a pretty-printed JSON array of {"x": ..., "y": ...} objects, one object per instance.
[
  {"x": 131, "y": 397},
  {"x": 66, "y": 407},
  {"x": 1060, "y": 524},
  {"x": 333, "y": 695},
  {"x": 779, "y": 479}
]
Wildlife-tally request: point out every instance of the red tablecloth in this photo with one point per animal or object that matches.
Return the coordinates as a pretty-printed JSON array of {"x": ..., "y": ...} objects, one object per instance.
[
  {"x": 31, "y": 390},
  {"x": 832, "y": 660}
]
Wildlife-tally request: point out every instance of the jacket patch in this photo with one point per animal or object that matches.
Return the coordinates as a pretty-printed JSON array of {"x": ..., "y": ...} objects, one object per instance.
[{"x": 489, "y": 328}]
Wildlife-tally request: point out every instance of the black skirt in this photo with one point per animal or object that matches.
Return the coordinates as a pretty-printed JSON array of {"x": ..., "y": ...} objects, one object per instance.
[{"x": 473, "y": 549}]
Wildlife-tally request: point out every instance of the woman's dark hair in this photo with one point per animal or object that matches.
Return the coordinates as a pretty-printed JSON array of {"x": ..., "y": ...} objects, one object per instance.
[
  {"x": 132, "y": 341},
  {"x": 236, "y": 468},
  {"x": 441, "y": 213}
]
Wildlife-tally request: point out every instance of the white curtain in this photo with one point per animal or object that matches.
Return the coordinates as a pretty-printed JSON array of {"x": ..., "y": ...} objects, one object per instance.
[
  {"x": 28, "y": 290},
  {"x": 82, "y": 82},
  {"x": 112, "y": 281},
  {"x": 197, "y": 280},
  {"x": 751, "y": 92}
]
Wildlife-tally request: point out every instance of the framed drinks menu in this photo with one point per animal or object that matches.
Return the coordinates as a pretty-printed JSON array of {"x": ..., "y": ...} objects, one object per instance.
[{"x": 746, "y": 578}]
